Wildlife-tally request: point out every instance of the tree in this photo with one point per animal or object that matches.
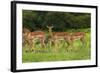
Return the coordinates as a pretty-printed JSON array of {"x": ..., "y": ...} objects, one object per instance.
[{"x": 38, "y": 20}]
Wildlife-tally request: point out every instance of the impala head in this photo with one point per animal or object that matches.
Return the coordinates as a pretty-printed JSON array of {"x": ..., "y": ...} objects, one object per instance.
[
  {"x": 25, "y": 32},
  {"x": 50, "y": 27},
  {"x": 50, "y": 30}
]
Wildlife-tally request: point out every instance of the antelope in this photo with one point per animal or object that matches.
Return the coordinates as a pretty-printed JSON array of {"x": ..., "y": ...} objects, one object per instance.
[
  {"x": 40, "y": 35},
  {"x": 24, "y": 36},
  {"x": 69, "y": 38},
  {"x": 78, "y": 35},
  {"x": 57, "y": 36}
]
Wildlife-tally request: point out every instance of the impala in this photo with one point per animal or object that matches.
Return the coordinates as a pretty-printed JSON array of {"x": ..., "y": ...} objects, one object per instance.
[
  {"x": 24, "y": 36},
  {"x": 78, "y": 35},
  {"x": 69, "y": 38},
  {"x": 57, "y": 36},
  {"x": 40, "y": 35}
]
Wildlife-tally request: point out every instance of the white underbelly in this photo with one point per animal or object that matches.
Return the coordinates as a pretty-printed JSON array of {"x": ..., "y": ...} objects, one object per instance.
[{"x": 77, "y": 37}]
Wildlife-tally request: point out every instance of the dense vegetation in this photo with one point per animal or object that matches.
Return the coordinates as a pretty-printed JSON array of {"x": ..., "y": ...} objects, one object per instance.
[{"x": 38, "y": 20}]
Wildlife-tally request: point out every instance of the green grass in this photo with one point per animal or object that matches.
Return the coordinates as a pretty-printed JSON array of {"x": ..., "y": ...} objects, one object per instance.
[{"x": 79, "y": 51}]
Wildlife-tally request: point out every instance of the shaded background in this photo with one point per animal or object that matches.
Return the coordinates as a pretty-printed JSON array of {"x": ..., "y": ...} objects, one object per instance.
[{"x": 38, "y": 20}]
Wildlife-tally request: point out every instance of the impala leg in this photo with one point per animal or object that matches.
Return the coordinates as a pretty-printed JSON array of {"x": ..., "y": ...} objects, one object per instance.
[
  {"x": 53, "y": 42},
  {"x": 28, "y": 45},
  {"x": 42, "y": 41},
  {"x": 56, "y": 45},
  {"x": 50, "y": 43},
  {"x": 31, "y": 44},
  {"x": 83, "y": 41},
  {"x": 70, "y": 45}
]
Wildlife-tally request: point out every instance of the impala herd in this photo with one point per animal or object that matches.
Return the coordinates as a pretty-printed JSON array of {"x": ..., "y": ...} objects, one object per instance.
[{"x": 54, "y": 37}]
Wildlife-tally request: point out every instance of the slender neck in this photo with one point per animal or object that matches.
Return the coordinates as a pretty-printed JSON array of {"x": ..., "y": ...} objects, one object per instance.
[{"x": 50, "y": 32}]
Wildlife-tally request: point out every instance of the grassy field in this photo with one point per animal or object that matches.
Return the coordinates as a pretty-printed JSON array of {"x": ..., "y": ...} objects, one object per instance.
[{"x": 80, "y": 51}]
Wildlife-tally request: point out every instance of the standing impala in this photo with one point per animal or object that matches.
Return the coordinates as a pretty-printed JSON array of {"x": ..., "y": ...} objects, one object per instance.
[
  {"x": 78, "y": 35},
  {"x": 69, "y": 38},
  {"x": 57, "y": 36},
  {"x": 40, "y": 35}
]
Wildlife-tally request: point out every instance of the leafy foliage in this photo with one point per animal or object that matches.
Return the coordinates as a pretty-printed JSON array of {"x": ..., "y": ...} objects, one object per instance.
[{"x": 38, "y": 20}]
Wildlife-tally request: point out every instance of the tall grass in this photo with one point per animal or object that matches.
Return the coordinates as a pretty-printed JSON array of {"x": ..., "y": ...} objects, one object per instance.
[{"x": 61, "y": 52}]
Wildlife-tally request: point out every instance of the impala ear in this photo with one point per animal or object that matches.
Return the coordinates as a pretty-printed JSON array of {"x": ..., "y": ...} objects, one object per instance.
[
  {"x": 52, "y": 26},
  {"x": 47, "y": 26}
]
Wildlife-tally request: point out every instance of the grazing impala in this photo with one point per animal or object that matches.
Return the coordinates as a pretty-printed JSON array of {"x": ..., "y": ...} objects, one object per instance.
[
  {"x": 40, "y": 35},
  {"x": 24, "y": 36}
]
